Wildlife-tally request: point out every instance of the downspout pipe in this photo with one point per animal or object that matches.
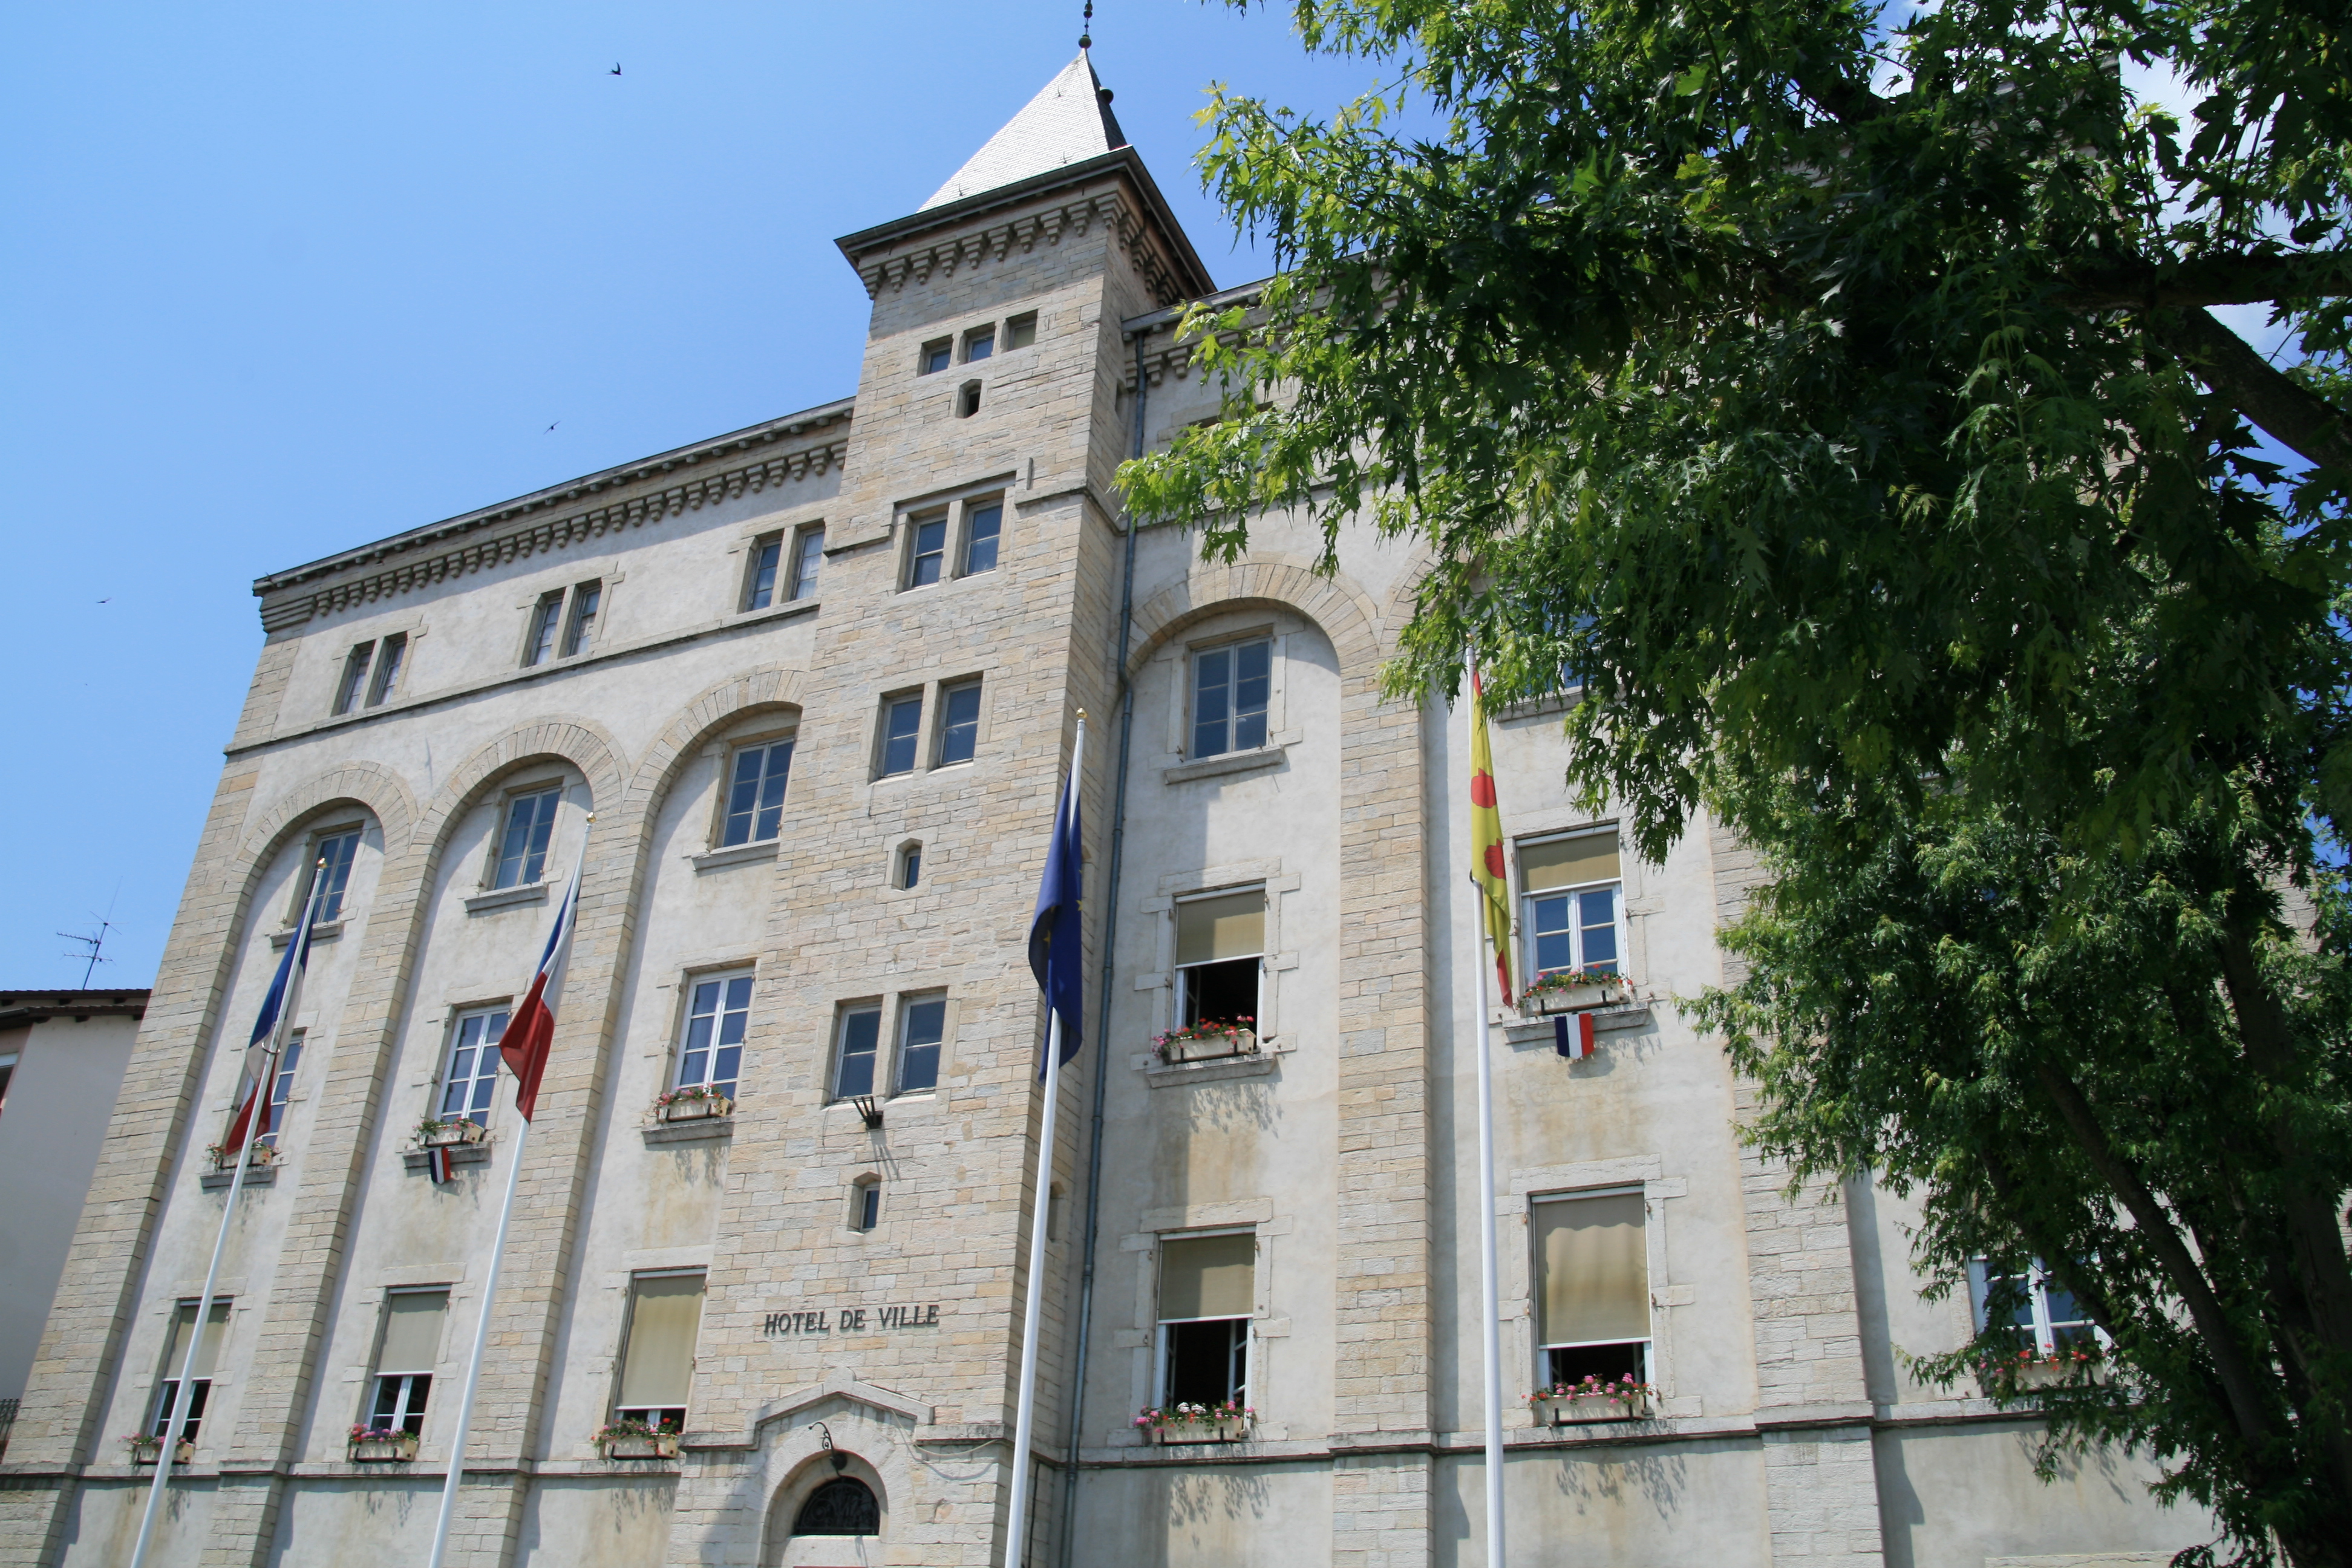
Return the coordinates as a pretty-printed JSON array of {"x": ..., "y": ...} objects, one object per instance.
[{"x": 1102, "y": 1021}]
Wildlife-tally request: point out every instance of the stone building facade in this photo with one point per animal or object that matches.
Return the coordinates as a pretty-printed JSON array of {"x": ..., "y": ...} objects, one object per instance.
[{"x": 817, "y": 682}]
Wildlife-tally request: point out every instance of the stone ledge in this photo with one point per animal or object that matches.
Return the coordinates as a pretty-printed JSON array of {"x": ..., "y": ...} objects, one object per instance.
[
  {"x": 701, "y": 1129},
  {"x": 1231, "y": 762},
  {"x": 1258, "y": 1064},
  {"x": 1605, "y": 1021},
  {"x": 507, "y": 898},
  {"x": 459, "y": 1154},
  {"x": 220, "y": 1181},
  {"x": 735, "y": 854},
  {"x": 322, "y": 930}
]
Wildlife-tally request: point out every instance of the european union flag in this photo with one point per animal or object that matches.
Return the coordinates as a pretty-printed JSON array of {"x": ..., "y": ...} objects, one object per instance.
[{"x": 1055, "y": 944}]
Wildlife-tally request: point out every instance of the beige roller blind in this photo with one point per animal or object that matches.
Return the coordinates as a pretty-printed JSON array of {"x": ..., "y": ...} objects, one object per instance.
[
  {"x": 208, "y": 1352},
  {"x": 1596, "y": 1270},
  {"x": 1566, "y": 862},
  {"x": 1231, "y": 925},
  {"x": 1207, "y": 1276},
  {"x": 664, "y": 1317},
  {"x": 412, "y": 1331}
]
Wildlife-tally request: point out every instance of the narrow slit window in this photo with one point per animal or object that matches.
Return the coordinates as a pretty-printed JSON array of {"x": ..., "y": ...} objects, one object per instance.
[
  {"x": 1207, "y": 1293},
  {"x": 522, "y": 848},
  {"x": 1592, "y": 1259},
  {"x": 767, "y": 559},
  {"x": 1220, "y": 949},
  {"x": 587, "y": 600},
  {"x": 968, "y": 400},
  {"x": 473, "y": 1071},
  {"x": 984, "y": 526},
  {"x": 545, "y": 618},
  {"x": 413, "y": 1321},
  {"x": 902, "y": 723},
  {"x": 958, "y": 723},
  {"x": 1573, "y": 899},
  {"x": 658, "y": 1361},
  {"x": 927, "y": 550},
  {"x": 861, "y": 1039},
  {"x": 388, "y": 661},
  {"x": 200, "y": 1380},
  {"x": 808, "y": 562},
  {"x": 923, "y": 1025},
  {"x": 911, "y": 865},
  {"x": 866, "y": 1203},
  {"x": 755, "y": 795},
  {"x": 355, "y": 668},
  {"x": 710, "y": 1053},
  {"x": 1231, "y": 686}
]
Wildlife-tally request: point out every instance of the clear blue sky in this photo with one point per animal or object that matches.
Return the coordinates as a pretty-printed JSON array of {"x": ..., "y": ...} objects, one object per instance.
[{"x": 276, "y": 279}]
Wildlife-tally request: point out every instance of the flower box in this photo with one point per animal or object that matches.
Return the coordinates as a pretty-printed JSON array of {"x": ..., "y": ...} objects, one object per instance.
[
  {"x": 660, "y": 1446},
  {"x": 697, "y": 1108},
  {"x": 2010, "y": 1379},
  {"x": 440, "y": 1134},
  {"x": 143, "y": 1450},
  {"x": 398, "y": 1447},
  {"x": 1231, "y": 1429},
  {"x": 226, "y": 1159},
  {"x": 1564, "y": 1405},
  {"x": 1546, "y": 997},
  {"x": 1184, "y": 1046}
]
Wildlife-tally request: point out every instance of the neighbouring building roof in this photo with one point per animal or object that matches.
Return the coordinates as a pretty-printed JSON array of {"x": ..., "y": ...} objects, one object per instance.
[
  {"x": 1068, "y": 122},
  {"x": 20, "y": 1008}
]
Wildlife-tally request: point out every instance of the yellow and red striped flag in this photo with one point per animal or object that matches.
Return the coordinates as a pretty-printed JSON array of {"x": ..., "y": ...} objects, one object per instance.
[{"x": 1486, "y": 860}]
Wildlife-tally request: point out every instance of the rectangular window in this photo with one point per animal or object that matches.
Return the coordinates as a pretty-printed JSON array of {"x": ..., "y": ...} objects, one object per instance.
[
  {"x": 984, "y": 526},
  {"x": 1207, "y": 1293},
  {"x": 328, "y": 874},
  {"x": 927, "y": 548},
  {"x": 710, "y": 1053},
  {"x": 1230, "y": 687},
  {"x": 281, "y": 1090},
  {"x": 807, "y": 563},
  {"x": 522, "y": 848},
  {"x": 1021, "y": 331},
  {"x": 865, "y": 1204},
  {"x": 755, "y": 795},
  {"x": 473, "y": 1066},
  {"x": 853, "y": 1066},
  {"x": 580, "y": 634},
  {"x": 902, "y": 726},
  {"x": 767, "y": 557},
  {"x": 1220, "y": 945},
  {"x": 922, "y": 1024},
  {"x": 545, "y": 617},
  {"x": 978, "y": 343},
  {"x": 1573, "y": 897},
  {"x": 200, "y": 1381},
  {"x": 2042, "y": 1315},
  {"x": 938, "y": 354},
  {"x": 355, "y": 680},
  {"x": 958, "y": 723},
  {"x": 413, "y": 1320},
  {"x": 1592, "y": 1268},
  {"x": 657, "y": 1354},
  {"x": 387, "y": 667}
]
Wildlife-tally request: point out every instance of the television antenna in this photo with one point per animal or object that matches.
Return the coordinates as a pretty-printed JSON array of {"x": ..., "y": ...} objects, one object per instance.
[{"x": 92, "y": 958}]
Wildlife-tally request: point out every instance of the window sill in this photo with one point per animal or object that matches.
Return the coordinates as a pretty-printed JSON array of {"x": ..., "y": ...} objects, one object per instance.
[
  {"x": 459, "y": 1154},
  {"x": 701, "y": 1129},
  {"x": 1259, "y": 1063},
  {"x": 790, "y": 609},
  {"x": 255, "y": 1176},
  {"x": 1230, "y": 763},
  {"x": 735, "y": 854},
  {"x": 1605, "y": 1021},
  {"x": 324, "y": 931},
  {"x": 507, "y": 898}
]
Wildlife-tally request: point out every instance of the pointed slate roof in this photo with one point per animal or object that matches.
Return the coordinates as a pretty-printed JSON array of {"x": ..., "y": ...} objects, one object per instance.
[{"x": 1068, "y": 122}]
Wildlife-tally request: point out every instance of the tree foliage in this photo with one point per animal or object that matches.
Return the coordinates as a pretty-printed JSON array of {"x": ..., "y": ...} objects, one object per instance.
[{"x": 1834, "y": 396}]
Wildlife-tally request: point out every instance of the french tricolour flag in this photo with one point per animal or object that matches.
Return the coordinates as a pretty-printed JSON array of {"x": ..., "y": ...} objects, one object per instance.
[
  {"x": 532, "y": 1028},
  {"x": 261, "y": 1050}
]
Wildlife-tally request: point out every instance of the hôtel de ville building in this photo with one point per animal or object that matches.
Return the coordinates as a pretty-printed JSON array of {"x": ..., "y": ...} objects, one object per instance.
[{"x": 818, "y": 681}]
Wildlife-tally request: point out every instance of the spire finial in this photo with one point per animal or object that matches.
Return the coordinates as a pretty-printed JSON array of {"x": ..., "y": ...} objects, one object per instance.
[{"x": 1086, "y": 32}]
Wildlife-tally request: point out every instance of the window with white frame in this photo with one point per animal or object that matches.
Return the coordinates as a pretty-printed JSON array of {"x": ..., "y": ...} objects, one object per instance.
[
  {"x": 658, "y": 1349},
  {"x": 580, "y": 626},
  {"x": 767, "y": 561},
  {"x": 1592, "y": 1288},
  {"x": 1207, "y": 1294},
  {"x": 563, "y": 623},
  {"x": 546, "y": 620},
  {"x": 923, "y": 1025},
  {"x": 927, "y": 548},
  {"x": 983, "y": 529},
  {"x": 390, "y": 656},
  {"x": 200, "y": 1379},
  {"x": 808, "y": 559},
  {"x": 711, "y": 1047},
  {"x": 755, "y": 792},
  {"x": 958, "y": 723},
  {"x": 406, "y": 1353},
  {"x": 523, "y": 839},
  {"x": 2041, "y": 1314},
  {"x": 371, "y": 672},
  {"x": 1232, "y": 685},
  {"x": 1220, "y": 952},
  {"x": 1573, "y": 903},
  {"x": 355, "y": 680},
  {"x": 472, "y": 1073},
  {"x": 902, "y": 731},
  {"x": 857, "y": 1044},
  {"x": 281, "y": 1089},
  {"x": 326, "y": 871}
]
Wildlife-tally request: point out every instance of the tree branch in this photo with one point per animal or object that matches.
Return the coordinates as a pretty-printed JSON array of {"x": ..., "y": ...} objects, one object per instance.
[
  {"x": 2209, "y": 280},
  {"x": 2295, "y": 417}
]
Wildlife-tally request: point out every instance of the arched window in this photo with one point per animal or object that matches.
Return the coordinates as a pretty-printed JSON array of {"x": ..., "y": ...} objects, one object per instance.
[{"x": 843, "y": 1505}]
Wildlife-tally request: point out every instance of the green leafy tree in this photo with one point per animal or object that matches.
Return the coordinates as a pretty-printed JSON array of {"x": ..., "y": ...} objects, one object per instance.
[{"x": 1834, "y": 397}]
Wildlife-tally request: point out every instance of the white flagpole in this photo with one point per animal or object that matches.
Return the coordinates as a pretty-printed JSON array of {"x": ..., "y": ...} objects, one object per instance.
[
  {"x": 1025, "y": 1415},
  {"x": 569, "y": 916},
  {"x": 172, "y": 1417},
  {"x": 1490, "y": 1325}
]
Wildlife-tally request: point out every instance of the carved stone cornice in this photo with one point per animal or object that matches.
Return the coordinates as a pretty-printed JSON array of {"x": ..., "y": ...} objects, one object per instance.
[
  {"x": 950, "y": 253},
  {"x": 743, "y": 462}
]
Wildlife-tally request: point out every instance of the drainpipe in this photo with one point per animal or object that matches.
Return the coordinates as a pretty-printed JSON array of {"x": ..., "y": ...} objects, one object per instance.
[{"x": 1102, "y": 1021}]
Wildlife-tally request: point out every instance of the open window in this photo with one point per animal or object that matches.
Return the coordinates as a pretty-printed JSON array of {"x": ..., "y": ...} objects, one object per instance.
[
  {"x": 405, "y": 1357},
  {"x": 1207, "y": 1293},
  {"x": 711, "y": 1047},
  {"x": 658, "y": 1352},
  {"x": 1219, "y": 950},
  {"x": 1573, "y": 897},
  {"x": 1592, "y": 1271}
]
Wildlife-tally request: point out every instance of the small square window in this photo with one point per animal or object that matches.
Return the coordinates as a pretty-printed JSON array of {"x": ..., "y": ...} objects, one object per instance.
[
  {"x": 984, "y": 526},
  {"x": 473, "y": 1071},
  {"x": 767, "y": 559},
  {"x": 1231, "y": 686},
  {"x": 808, "y": 559},
  {"x": 938, "y": 354},
  {"x": 755, "y": 794},
  {"x": 1021, "y": 331},
  {"x": 546, "y": 617},
  {"x": 522, "y": 848},
  {"x": 902, "y": 722},
  {"x": 355, "y": 668},
  {"x": 580, "y": 634},
  {"x": 388, "y": 660},
  {"x": 860, "y": 1042},
  {"x": 958, "y": 723},
  {"x": 978, "y": 343},
  {"x": 921, "y": 1024},
  {"x": 927, "y": 548},
  {"x": 710, "y": 1051}
]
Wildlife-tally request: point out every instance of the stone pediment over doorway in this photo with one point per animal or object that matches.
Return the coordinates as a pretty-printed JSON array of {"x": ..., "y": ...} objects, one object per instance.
[{"x": 840, "y": 1387}]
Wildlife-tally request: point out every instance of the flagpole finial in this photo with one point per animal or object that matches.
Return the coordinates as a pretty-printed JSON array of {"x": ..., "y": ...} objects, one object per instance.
[{"x": 1082, "y": 715}]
